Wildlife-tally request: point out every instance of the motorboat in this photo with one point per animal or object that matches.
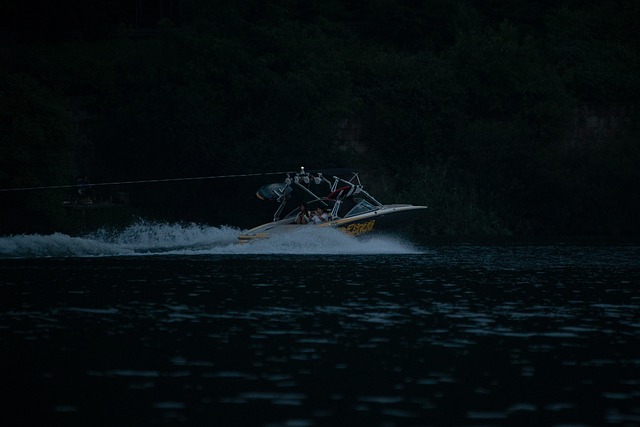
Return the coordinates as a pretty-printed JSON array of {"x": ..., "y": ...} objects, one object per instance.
[{"x": 338, "y": 197}]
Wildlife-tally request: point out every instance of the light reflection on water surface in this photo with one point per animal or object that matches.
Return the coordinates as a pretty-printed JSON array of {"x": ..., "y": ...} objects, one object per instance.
[{"x": 454, "y": 335}]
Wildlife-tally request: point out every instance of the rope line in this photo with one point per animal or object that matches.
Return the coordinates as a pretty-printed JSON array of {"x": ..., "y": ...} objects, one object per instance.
[{"x": 52, "y": 187}]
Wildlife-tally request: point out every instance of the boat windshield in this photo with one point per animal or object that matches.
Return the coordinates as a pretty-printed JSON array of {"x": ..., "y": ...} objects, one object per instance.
[{"x": 361, "y": 206}]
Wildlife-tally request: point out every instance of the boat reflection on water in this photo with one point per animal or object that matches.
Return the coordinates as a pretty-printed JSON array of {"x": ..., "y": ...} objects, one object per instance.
[{"x": 346, "y": 204}]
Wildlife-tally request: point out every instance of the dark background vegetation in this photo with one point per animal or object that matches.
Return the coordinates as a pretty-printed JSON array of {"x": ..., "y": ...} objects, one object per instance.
[{"x": 505, "y": 117}]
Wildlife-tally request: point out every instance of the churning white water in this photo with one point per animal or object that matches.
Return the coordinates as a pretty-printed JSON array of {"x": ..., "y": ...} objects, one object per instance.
[{"x": 147, "y": 238}]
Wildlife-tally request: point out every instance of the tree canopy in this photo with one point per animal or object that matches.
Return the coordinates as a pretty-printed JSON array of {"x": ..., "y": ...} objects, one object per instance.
[{"x": 503, "y": 117}]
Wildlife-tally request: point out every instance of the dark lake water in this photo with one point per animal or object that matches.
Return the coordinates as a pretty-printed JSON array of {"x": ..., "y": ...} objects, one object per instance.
[{"x": 177, "y": 325}]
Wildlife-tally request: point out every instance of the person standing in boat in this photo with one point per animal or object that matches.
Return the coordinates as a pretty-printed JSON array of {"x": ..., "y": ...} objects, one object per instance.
[{"x": 303, "y": 215}]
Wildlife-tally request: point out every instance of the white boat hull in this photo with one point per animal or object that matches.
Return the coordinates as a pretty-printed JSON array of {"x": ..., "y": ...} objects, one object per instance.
[{"x": 385, "y": 218}]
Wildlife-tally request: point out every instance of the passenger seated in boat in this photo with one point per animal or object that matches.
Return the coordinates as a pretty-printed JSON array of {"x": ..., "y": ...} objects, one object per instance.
[
  {"x": 303, "y": 215},
  {"x": 319, "y": 216}
]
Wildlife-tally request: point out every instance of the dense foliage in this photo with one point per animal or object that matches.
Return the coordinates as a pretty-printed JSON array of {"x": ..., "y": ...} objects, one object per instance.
[{"x": 474, "y": 108}]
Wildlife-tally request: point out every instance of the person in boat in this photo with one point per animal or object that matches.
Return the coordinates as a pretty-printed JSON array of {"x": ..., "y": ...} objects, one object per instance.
[
  {"x": 327, "y": 214},
  {"x": 320, "y": 216},
  {"x": 303, "y": 215}
]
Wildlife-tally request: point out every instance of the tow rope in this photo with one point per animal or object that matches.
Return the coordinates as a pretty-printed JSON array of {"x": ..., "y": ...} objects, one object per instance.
[{"x": 52, "y": 187}]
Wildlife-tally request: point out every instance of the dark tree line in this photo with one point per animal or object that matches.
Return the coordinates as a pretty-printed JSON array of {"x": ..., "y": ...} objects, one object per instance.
[{"x": 475, "y": 108}]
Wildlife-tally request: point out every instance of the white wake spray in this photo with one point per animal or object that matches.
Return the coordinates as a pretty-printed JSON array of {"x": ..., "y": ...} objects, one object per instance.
[{"x": 148, "y": 238}]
